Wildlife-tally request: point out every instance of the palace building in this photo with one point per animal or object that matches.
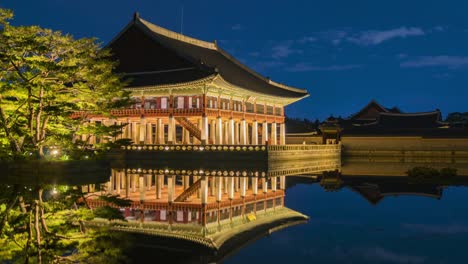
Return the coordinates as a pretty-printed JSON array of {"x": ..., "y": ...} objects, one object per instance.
[{"x": 189, "y": 91}]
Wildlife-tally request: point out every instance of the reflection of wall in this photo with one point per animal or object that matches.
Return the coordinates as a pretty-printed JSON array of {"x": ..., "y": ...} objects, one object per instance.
[
  {"x": 397, "y": 166},
  {"x": 303, "y": 159},
  {"x": 405, "y": 146}
]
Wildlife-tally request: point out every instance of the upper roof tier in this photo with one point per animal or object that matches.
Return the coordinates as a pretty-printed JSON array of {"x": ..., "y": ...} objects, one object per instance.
[{"x": 151, "y": 55}]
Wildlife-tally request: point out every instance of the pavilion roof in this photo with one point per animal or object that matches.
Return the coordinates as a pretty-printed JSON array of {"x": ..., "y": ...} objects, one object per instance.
[{"x": 151, "y": 55}]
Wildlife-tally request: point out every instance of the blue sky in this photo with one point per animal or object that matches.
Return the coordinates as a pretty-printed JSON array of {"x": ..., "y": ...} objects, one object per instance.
[{"x": 410, "y": 54}]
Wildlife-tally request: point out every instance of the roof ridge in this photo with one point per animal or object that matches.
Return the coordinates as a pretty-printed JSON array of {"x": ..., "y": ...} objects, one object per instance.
[{"x": 410, "y": 114}]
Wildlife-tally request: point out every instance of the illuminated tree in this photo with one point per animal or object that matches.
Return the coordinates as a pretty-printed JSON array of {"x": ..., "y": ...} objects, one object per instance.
[{"x": 45, "y": 77}]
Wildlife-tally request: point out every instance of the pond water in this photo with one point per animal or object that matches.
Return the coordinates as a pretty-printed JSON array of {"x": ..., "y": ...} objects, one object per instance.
[
  {"x": 353, "y": 218},
  {"x": 344, "y": 227}
]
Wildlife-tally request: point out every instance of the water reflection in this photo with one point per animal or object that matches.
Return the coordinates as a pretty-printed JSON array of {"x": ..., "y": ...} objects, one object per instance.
[
  {"x": 215, "y": 213},
  {"x": 192, "y": 210}
]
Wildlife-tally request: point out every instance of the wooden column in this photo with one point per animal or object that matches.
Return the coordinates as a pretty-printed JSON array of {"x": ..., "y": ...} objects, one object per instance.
[
  {"x": 219, "y": 131},
  {"x": 282, "y": 182},
  {"x": 265, "y": 185},
  {"x": 149, "y": 181},
  {"x": 171, "y": 131},
  {"x": 264, "y": 133},
  {"x": 204, "y": 190},
  {"x": 204, "y": 130},
  {"x": 171, "y": 188},
  {"x": 135, "y": 134},
  {"x": 159, "y": 185},
  {"x": 141, "y": 183},
  {"x": 274, "y": 183},
  {"x": 243, "y": 186},
  {"x": 254, "y": 185},
  {"x": 282, "y": 134},
  {"x": 149, "y": 133},
  {"x": 186, "y": 136},
  {"x": 142, "y": 132},
  {"x": 128, "y": 130},
  {"x": 219, "y": 188},
  {"x": 273, "y": 134},
  {"x": 243, "y": 132},
  {"x": 231, "y": 133},
  {"x": 255, "y": 133},
  {"x": 134, "y": 182},
  {"x": 213, "y": 131}
]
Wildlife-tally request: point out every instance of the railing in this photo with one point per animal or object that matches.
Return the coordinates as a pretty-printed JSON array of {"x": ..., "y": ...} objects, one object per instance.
[
  {"x": 165, "y": 148},
  {"x": 330, "y": 147},
  {"x": 243, "y": 115},
  {"x": 187, "y": 112}
]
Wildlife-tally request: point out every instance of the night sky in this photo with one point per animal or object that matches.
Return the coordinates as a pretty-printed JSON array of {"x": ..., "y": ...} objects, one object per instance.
[{"x": 409, "y": 54}]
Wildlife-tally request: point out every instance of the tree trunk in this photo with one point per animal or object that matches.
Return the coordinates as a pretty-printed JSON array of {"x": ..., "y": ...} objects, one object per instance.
[
  {"x": 38, "y": 231},
  {"x": 41, "y": 207}
]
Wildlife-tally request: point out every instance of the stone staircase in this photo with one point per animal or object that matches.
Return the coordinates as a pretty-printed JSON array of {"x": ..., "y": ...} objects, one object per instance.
[
  {"x": 192, "y": 128},
  {"x": 190, "y": 190}
]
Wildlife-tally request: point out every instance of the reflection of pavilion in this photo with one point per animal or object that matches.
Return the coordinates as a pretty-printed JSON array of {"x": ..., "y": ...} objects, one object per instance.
[
  {"x": 375, "y": 190},
  {"x": 206, "y": 207}
]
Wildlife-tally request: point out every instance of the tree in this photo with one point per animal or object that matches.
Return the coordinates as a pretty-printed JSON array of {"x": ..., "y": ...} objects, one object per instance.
[
  {"x": 50, "y": 84},
  {"x": 46, "y": 77},
  {"x": 457, "y": 119}
]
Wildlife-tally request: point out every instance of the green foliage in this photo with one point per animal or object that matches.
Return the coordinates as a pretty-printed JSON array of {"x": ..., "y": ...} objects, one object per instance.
[
  {"x": 45, "y": 78},
  {"x": 457, "y": 119},
  {"x": 64, "y": 236},
  {"x": 105, "y": 247},
  {"x": 296, "y": 125}
]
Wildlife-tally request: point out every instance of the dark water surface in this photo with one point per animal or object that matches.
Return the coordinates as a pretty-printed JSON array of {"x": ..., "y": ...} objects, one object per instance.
[{"x": 344, "y": 227}]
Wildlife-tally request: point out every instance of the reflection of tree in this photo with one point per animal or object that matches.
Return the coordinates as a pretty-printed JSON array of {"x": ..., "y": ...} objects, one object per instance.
[{"x": 457, "y": 119}]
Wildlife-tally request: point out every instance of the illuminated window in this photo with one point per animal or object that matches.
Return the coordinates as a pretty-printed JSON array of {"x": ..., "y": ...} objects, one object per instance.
[{"x": 164, "y": 103}]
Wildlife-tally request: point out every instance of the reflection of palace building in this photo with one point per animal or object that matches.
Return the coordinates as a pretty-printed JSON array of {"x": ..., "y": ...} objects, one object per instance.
[
  {"x": 188, "y": 91},
  {"x": 200, "y": 206},
  {"x": 375, "y": 190}
]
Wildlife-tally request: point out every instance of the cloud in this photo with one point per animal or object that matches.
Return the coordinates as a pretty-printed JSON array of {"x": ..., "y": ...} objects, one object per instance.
[
  {"x": 452, "y": 62},
  {"x": 333, "y": 36},
  {"x": 375, "y": 37},
  {"x": 284, "y": 50},
  {"x": 237, "y": 27},
  {"x": 439, "y": 28},
  {"x": 305, "y": 67},
  {"x": 264, "y": 65},
  {"x": 254, "y": 53},
  {"x": 305, "y": 40},
  {"x": 377, "y": 254},
  {"x": 402, "y": 55}
]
